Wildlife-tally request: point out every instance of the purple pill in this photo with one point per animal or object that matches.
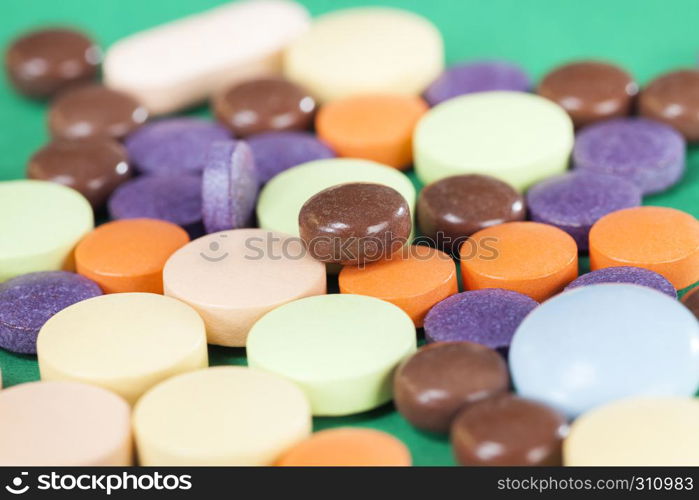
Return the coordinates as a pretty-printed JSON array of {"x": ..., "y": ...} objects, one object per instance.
[
  {"x": 230, "y": 186},
  {"x": 479, "y": 76},
  {"x": 28, "y": 301},
  {"x": 626, "y": 274},
  {"x": 574, "y": 201},
  {"x": 648, "y": 153},
  {"x": 275, "y": 152},
  {"x": 173, "y": 146}
]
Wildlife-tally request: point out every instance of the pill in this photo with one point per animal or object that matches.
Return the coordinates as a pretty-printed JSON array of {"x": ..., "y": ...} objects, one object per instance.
[
  {"x": 64, "y": 424},
  {"x": 42, "y": 62},
  {"x": 590, "y": 91},
  {"x": 432, "y": 385},
  {"x": 488, "y": 317},
  {"x": 128, "y": 255},
  {"x": 660, "y": 239},
  {"x": 645, "y": 152},
  {"x": 574, "y": 201},
  {"x": 264, "y": 105},
  {"x": 366, "y": 50},
  {"x": 220, "y": 416},
  {"x": 376, "y": 127},
  {"x": 124, "y": 342},
  {"x": 53, "y": 219},
  {"x": 626, "y": 274},
  {"x": 479, "y": 76},
  {"x": 600, "y": 343},
  {"x": 508, "y": 431},
  {"x": 535, "y": 259},
  {"x": 691, "y": 300},
  {"x": 414, "y": 278},
  {"x": 673, "y": 98},
  {"x": 234, "y": 277},
  {"x": 517, "y": 137},
  {"x": 636, "y": 432},
  {"x": 355, "y": 223},
  {"x": 340, "y": 349},
  {"x": 348, "y": 447},
  {"x": 178, "y": 64}
]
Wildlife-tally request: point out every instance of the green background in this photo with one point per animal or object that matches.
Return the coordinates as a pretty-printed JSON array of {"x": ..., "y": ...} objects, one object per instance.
[{"x": 646, "y": 37}]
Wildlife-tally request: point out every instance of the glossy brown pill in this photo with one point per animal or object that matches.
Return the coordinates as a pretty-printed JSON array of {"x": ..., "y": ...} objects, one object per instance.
[
  {"x": 42, "y": 62},
  {"x": 355, "y": 223},
  {"x": 440, "y": 379},
  {"x": 508, "y": 430},
  {"x": 673, "y": 98},
  {"x": 590, "y": 91},
  {"x": 94, "y": 167},
  {"x": 691, "y": 300}
]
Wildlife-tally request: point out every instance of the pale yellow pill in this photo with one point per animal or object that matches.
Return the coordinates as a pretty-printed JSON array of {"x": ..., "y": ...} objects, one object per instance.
[
  {"x": 220, "y": 416},
  {"x": 125, "y": 342}
]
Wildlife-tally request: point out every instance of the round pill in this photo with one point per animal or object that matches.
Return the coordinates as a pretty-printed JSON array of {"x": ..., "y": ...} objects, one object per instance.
[
  {"x": 590, "y": 91},
  {"x": 355, "y": 223},
  {"x": 636, "y": 432},
  {"x": 648, "y": 153},
  {"x": 535, "y": 259},
  {"x": 376, "y": 127},
  {"x": 600, "y": 343},
  {"x": 348, "y": 447},
  {"x": 574, "y": 201},
  {"x": 64, "y": 424},
  {"x": 626, "y": 274},
  {"x": 365, "y": 50},
  {"x": 508, "y": 431},
  {"x": 42, "y": 62},
  {"x": 432, "y": 385},
  {"x": 414, "y": 279},
  {"x": 660, "y": 239},
  {"x": 124, "y": 342},
  {"x": 232, "y": 278},
  {"x": 53, "y": 219},
  {"x": 673, "y": 98},
  {"x": 128, "y": 255},
  {"x": 691, "y": 300},
  {"x": 340, "y": 349},
  {"x": 518, "y": 138}
]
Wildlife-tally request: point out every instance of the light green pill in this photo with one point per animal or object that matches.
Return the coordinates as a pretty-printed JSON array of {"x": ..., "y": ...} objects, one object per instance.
[
  {"x": 40, "y": 223},
  {"x": 341, "y": 349},
  {"x": 517, "y": 137}
]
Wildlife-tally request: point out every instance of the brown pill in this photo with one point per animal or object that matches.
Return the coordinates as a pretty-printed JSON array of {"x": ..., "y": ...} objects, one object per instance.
[
  {"x": 264, "y": 105},
  {"x": 590, "y": 91},
  {"x": 355, "y": 223},
  {"x": 508, "y": 430},
  {"x": 691, "y": 300},
  {"x": 95, "y": 111},
  {"x": 41, "y": 63},
  {"x": 440, "y": 379},
  {"x": 673, "y": 98},
  {"x": 94, "y": 167}
]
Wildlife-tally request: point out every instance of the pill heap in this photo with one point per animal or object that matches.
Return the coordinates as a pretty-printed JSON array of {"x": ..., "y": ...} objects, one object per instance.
[{"x": 291, "y": 226}]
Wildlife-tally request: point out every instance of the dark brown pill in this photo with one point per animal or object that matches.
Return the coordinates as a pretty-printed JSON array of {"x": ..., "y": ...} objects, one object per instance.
[
  {"x": 691, "y": 300},
  {"x": 94, "y": 167},
  {"x": 264, "y": 105},
  {"x": 590, "y": 91},
  {"x": 673, "y": 98},
  {"x": 355, "y": 223},
  {"x": 440, "y": 379},
  {"x": 95, "y": 111},
  {"x": 41, "y": 63}
]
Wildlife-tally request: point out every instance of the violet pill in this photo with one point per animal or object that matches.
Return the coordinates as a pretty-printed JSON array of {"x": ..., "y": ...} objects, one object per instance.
[{"x": 626, "y": 274}]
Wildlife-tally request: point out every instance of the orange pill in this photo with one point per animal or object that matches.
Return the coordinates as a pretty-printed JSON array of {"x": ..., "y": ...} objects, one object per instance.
[
  {"x": 414, "y": 278},
  {"x": 348, "y": 447},
  {"x": 128, "y": 255},
  {"x": 661, "y": 239},
  {"x": 528, "y": 257},
  {"x": 375, "y": 127}
]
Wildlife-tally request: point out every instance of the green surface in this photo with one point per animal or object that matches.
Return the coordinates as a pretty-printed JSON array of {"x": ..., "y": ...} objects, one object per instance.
[{"x": 647, "y": 37}]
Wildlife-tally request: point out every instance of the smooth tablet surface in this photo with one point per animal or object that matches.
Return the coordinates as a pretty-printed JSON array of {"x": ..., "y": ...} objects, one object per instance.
[
  {"x": 691, "y": 301},
  {"x": 125, "y": 342},
  {"x": 64, "y": 424},
  {"x": 340, "y": 349},
  {"x": 365, "y": 50},
  {"x": 673, "y": 98},
  {"x": 54, "y": 218},
  {"x": 600, "y": 343},
  {"x": 626, "y": 274},
  {"x": 519, "y": 138},
  {"x": 234, "y": 277}
]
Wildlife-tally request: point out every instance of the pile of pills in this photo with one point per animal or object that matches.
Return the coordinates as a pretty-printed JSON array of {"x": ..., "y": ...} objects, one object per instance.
[{"x": 288, "y": 226}]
